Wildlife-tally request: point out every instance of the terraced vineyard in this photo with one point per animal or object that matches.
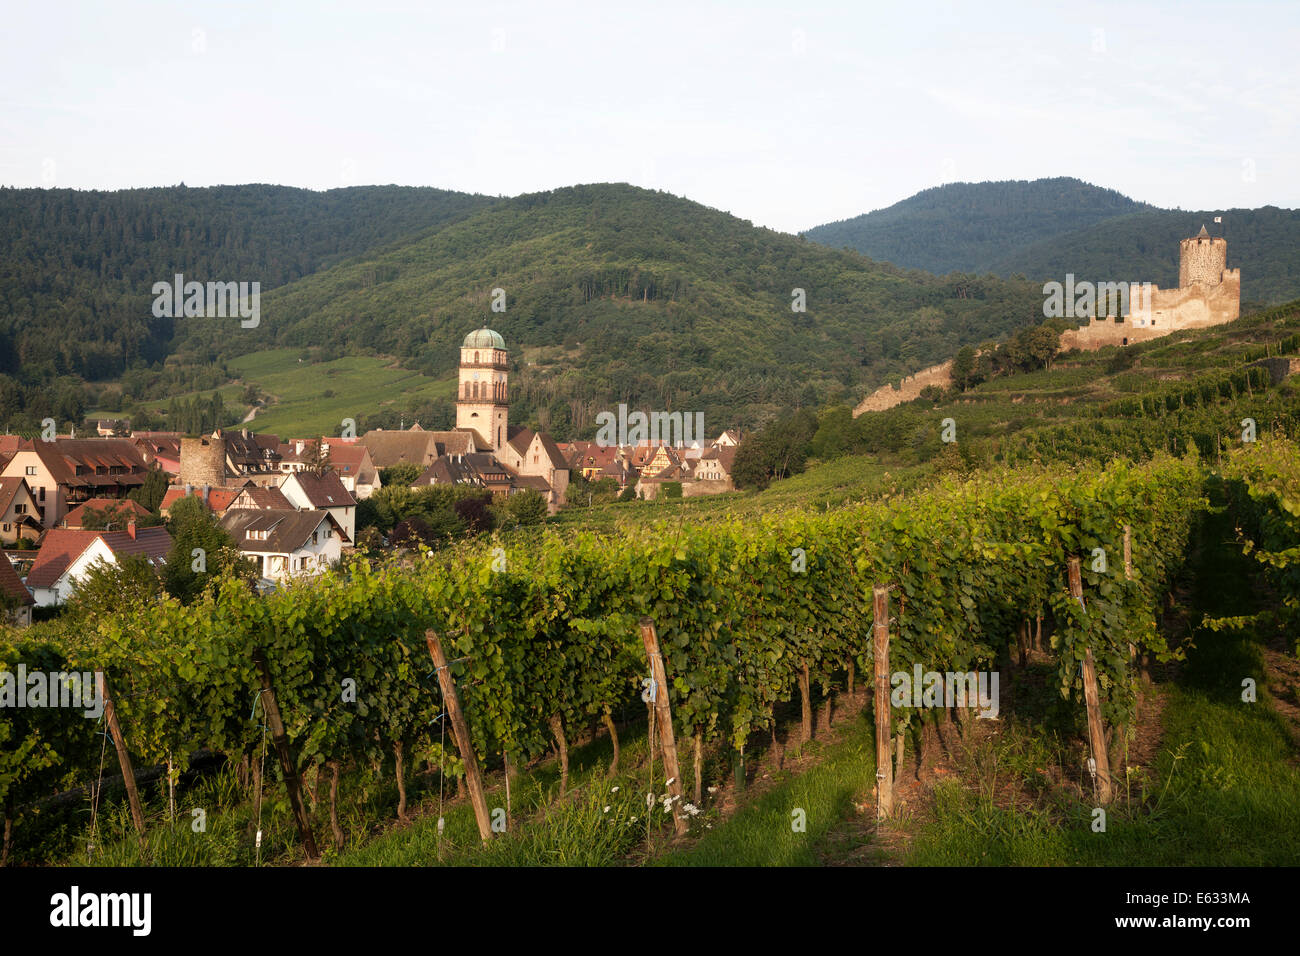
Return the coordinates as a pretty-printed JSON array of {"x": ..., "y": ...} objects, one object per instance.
[{"x": 542, "y": 632}]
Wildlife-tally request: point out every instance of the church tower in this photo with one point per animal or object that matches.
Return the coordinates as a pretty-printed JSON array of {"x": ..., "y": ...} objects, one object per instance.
[{"x": 482, "y": 401}]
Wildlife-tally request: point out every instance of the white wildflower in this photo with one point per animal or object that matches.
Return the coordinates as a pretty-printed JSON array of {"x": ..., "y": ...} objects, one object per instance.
[
  {"x": 713, "y": 789},
  {"x": 606, "y": 810},
  {"x": 613, "y": 789},
  {"x": 691, "y": 808}
]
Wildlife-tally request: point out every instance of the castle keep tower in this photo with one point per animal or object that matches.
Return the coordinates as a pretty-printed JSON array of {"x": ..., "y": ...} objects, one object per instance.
[
  {"x": 482, "y": 399},
  {"x": 1202, "y": 258}
]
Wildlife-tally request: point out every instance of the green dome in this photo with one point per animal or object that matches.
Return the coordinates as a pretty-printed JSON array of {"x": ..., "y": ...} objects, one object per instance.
[{"x": 484, "y": 338}]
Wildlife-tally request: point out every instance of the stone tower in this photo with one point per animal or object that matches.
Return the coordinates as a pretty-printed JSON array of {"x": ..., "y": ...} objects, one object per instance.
[
  {"x": 203, "y": 462},
  {"x": 1203, "y": 259},
  {"x": 482, "y": 398}
]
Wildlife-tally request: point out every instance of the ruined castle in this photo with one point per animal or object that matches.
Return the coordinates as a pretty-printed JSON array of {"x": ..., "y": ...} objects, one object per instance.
[{"x": 1208, "y": 293}]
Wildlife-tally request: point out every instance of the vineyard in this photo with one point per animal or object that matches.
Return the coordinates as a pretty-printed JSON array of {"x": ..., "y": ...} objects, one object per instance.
[{"x": 542, "y": 633}]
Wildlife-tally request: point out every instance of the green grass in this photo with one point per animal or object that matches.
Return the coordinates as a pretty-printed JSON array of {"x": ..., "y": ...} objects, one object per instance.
[
  {"x": 1225, "y": 788},
  {"x": 359, "y": 385},
  {"x": 762, "y": 832}
]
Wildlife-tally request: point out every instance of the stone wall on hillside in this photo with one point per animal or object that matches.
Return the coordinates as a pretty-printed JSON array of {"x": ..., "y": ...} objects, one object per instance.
[
  {"x": 911, "y": 387},
  {"x": 1280, "y": 369}
]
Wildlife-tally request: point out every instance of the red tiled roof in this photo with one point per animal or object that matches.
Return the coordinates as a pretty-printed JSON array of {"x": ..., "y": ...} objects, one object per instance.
[
  {"x": 153, "y": 543},
  {"x": 124, "y": 506},
  {"x": 62, "y": 546},
  {"x": 59, "y": 549},
  {"x": 219, "y": 499},
  {"x": 9, "y": 488},
  {"x": 324, "y": 490},
  {"x": 12, "y": 585}
]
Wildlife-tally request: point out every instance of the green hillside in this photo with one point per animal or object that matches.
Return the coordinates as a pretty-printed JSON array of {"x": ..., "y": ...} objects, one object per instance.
[
  {"x": 1050, "y": 227},
  {"x": 614, "y": 293},
  {"x": 968, "y": 227},
  {"x": 1144, "y": 247},
  {"x": 77, "y": 269},
  {"x": 1189, "y": 389}
]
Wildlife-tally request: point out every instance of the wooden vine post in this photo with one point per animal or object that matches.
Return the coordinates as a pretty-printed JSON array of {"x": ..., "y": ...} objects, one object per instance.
[
  {"x": 1092, "y": 698},
  {"x": 451, "y": 701},
  {"x": 123, "y": 757},
  {"x": 805, "y": 694},
  {"x": 884, "y": 757},
  {"x": 1134, "y": 657},
  {"x": 664, "y": 720},
  {"x": 281, "y": 741}
]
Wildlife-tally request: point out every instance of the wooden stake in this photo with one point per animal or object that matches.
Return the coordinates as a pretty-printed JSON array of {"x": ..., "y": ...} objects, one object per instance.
[
  {"x": 123, "y": 758},
  {"x": 464, "y": 743},
  {"x": 664, "y": 716},
  {"x": 804, "y": 694},
  {"x": 1134, "y": 657},
  {"x": 281, "y": 741},
  {"x": 699, "y": 765},
  {"x": 562, "y": 748},
  {"x": 1092, "y": 699},
  {"x": 613, "y": 737},
  {"x": 399, "y": 754},
  {"x": 884, "y": 765},
  {"x": 334, "y": 805}
]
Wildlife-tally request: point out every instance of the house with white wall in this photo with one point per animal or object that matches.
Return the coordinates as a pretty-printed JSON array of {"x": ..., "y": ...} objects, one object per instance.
[
  {"x": 286, "y": 544},
  {"x": 66, "y": 554}
]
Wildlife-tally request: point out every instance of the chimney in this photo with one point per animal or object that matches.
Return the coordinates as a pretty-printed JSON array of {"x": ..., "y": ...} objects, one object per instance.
[{"x": 130, "y": 527}]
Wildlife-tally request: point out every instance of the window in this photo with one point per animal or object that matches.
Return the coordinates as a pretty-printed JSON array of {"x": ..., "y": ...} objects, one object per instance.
[
  {"x": 31, "y": 470},
  {"x": 19, "y": 510}
]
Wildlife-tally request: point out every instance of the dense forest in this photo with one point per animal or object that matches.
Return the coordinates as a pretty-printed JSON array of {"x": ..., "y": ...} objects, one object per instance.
[
  {"x": 77, "y": 268},
  {"x": 1049, "y": 227},
  {"x": 967, "y": 227}
]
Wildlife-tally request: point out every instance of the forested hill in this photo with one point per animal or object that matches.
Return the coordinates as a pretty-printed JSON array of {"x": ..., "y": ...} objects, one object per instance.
[
  {"x": 1049, "y": 227},
  {"x": 1263, "y": 243},
  {"x": 615, "y": 293},
  {"x": 968, "y": 227},
  {"x": 77, "y": 267}
]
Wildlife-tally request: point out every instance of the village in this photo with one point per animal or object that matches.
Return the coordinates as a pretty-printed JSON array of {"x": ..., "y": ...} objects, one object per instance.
[{"x": 70, "y": 503}]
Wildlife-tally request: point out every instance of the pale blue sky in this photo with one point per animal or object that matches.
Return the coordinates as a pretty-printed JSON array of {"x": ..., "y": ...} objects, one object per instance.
[{"x": 785, "y": 114}]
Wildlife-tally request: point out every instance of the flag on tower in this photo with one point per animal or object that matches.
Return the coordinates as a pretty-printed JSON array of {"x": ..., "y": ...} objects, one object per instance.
[{"x": 1218, "y": 219}]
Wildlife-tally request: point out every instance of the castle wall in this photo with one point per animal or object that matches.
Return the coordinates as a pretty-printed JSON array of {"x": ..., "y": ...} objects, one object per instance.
[
  {"x": 911, "y": 387},
  {"x": 1171, "y": 310}
]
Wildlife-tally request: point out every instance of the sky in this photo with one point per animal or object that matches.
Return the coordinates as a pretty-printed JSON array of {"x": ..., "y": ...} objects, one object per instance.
[{"x": 787, "y": 115}]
